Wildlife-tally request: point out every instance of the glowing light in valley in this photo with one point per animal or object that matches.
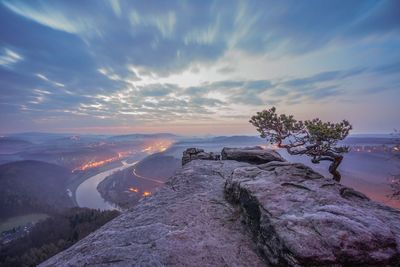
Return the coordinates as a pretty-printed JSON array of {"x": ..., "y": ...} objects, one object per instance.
[
  {"x": 136, "y": 190},
  {"x": 94, "y": 164},
  {"x": 159, "y": 146},
  {"x": 146, "y": 193},
  {"x": 133, "y": 190}
]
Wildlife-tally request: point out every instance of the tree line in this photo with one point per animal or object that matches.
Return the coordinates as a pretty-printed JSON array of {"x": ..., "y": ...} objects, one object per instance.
[{"x": 55, "y": 234}]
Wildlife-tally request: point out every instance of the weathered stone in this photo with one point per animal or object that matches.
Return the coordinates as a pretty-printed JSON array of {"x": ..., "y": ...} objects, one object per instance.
[
  {"x": 253, "y": 155},
  {"x": 300, "y": 218},
  {"x": 196, "y": 153},
  {"x": 187, "y": 222},
  {"x": 292, "y": 216}
]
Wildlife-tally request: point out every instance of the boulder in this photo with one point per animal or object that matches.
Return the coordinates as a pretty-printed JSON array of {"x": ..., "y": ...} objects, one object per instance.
[
  {"x": 253, "y": 155},
  {"x": 196, "y": 153},
  {"x": 300, "y": 218}
]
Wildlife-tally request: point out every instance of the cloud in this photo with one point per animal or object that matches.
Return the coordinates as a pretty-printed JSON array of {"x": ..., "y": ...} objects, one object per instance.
[
  {"x": 157, "y": 90},
  {"x": 324, "y": 92},
  {"x": 44, "y": 15},
  {"x": 382, "y": 17},
  {"x": 116, "y": 7},
  {"x": 41, "y": 76},
  {"x": 324, "y": 77},
  {"x": 225, "y": 70},
  {"x": 202, "y": 101},
  {"x": 391, "y": 68},
  {"x": 172, "y": 60},
  {"x": 300, "y": 28},
  {"x": 9, "y": 57},
  {"x": 258, "y": 85},
  {"x": 167, "y": 37},
  {"x": 164, "y": 23}
]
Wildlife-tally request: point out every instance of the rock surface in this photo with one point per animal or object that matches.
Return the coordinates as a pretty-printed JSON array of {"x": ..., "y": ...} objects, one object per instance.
[
  {"x": 230, "y": 213},
  {"x": 186, "y": 223},
  {"x": 300, "y": 218},
  {"x": 196, "y": 153},
  {"x": 253, "y": 155}
]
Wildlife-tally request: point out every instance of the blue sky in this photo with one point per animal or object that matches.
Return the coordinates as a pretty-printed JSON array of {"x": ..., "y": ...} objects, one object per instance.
[{"x": 196, "y": 67}]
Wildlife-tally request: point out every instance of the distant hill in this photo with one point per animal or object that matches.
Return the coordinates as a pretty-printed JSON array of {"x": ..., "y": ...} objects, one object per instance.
[
  {"x": 32, "y": 186},
  {"x": 143, "y": 136},
  {"x": 12, "y": 145},
  {"x": 38, "y": 137},
  {"x": 236, "y": 139},
  {"x": 158, "y": 166}
]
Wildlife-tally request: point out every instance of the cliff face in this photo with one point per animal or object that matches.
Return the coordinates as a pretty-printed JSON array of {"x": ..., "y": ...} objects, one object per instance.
[{"x": 230, "y": 213}]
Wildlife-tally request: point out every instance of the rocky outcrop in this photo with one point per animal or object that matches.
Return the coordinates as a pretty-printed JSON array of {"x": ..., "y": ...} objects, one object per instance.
[
  {"x": 196, "y": 153},
  {"x": 231, "y": 213},
  {"x": 300, "y": 218},
  {"x": 187, "y": 222},
  {"x": 253, "y": 155}
]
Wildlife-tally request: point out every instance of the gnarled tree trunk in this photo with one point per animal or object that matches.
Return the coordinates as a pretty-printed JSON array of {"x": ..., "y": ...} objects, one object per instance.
[{"x": 333, "y": 168}]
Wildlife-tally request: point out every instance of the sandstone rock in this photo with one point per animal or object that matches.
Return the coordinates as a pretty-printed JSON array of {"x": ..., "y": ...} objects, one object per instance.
[
  {"x": 229, "y": 213},
  {"x": 186, "y": 223},
  {"x": 253, "y": 155},
  {"x": 300, "y": 218},
  {"x": 196, "y": 153}
]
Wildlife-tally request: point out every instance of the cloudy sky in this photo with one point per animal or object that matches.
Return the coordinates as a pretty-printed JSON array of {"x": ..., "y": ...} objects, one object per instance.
[{"x": 196, "y": 67}]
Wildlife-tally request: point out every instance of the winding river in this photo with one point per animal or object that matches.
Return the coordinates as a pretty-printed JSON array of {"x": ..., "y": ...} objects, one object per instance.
[{"x": 87, "y": 194}]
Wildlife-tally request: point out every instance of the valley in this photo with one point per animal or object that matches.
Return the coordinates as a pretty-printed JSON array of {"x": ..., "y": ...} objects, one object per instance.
[{"x": 44, "y": 177}]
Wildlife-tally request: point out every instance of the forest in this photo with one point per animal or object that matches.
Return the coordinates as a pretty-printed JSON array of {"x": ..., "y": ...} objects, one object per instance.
[{"x": 53, "y": 235}]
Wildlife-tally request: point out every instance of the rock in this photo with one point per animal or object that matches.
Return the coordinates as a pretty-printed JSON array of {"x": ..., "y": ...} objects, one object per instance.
[
  {"x": 196, "y": 153},
  {"x": 253, "y": 155},
  {"x": 300, "y": 218},
  {"x": 187, "y": 222},
  {"x": 230, "y": 213}
]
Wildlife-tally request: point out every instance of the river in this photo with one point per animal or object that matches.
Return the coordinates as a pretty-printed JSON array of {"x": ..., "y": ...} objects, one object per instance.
[{"x": 87, "y": 194}]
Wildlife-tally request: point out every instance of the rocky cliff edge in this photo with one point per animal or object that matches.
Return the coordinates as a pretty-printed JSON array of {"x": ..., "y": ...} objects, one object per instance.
[{"x": 234, "y": 213}]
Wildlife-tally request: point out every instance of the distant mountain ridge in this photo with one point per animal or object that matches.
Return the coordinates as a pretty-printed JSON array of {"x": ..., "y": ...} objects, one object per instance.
[{"x": 144, "y": 136}]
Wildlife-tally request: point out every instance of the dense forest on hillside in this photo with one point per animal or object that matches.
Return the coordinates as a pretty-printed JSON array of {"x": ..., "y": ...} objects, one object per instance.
[
  {"x": 53, "y": 235},
  {"x": 32, "y": 186},
  {"x": 158, "y": 166},
  {"x": 125, "y": 188}
]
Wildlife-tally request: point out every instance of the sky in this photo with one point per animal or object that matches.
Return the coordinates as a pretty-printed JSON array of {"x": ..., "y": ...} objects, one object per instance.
[{"x": 196, "y": 67}]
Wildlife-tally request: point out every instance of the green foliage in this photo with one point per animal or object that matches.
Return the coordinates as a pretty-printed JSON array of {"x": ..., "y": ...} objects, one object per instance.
[
  {"x": 313, "y": 138},
  {"x": 276, "y": 127},
  {"x": 327, "y": 131}
]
